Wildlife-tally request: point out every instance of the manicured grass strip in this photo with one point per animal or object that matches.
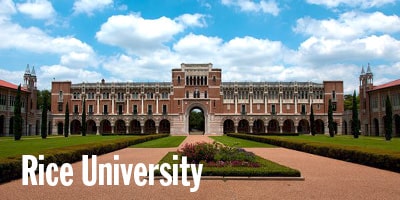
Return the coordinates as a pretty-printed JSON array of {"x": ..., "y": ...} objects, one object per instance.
[
  {"x": 237, "y": 142},
  {"x": 379, "y": 158},
  {"x": 33, "y": 145},
  {"x": 11, "y": 167},
  {"x": 267, "y": 169},
  {"x": 166, "y": 142}
]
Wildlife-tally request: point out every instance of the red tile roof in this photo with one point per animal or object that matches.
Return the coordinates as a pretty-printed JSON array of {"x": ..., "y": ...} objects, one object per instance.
[
  {"x": 386, "y": 85},
  {"x": 11, "y": 86}
]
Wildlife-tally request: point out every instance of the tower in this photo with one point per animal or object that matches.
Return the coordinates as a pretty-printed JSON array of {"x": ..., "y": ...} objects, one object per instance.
[
  {"x": 27, "y": 76},
  {"x": 366, "y": 84}
]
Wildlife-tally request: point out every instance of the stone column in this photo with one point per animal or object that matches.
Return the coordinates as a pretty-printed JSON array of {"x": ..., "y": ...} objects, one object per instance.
[
  {"x": 142, "y": 129},
  {"x": 251, "y": 129},
  {"x": 97, "y": 130},
  {"x": 112, "y": 129},
  {"x": 157, "y": 129}
]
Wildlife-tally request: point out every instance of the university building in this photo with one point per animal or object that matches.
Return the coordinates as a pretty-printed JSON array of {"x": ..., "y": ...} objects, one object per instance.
[
  {"x": 373, "y": 105},
  {"x": 165, "y": 107},
  {"x": 29, "y": 111}
]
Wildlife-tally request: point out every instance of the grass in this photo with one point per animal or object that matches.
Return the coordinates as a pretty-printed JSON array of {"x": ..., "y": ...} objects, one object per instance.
[
  {"x": 237, "y": 142},
  {"x": 363, "y": 142},
  {"x": 166, "y": 142},
  {"x": 267, "y": 169},
  {"x": 35, "y": 144}
]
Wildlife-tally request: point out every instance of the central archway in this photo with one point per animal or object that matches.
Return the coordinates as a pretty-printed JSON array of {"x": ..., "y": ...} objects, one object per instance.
[{"x": 196, "y": 121}]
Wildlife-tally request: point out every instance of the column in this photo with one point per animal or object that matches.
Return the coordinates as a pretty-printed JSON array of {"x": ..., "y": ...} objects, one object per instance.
[
  {"x": 251, "y": 104},
  {"x": 142, "y": 112},
  {"x": 295, "y": 129},
  {"x": 236, "y": 129},
  {"x": 235, "y": 99},
  {"x": 98, "y": 130},
  {"x": 251, "y": 128},
  {"x": 112, "y": 128},
  {"x": 141, "y": 129},
  {"x": 280, "y": 104},
  {"x": 157, "y": 104},
  {"x": 280, "y": 129},
  {"x": 98, "y": 105},
  {"x": 112, "y": 105},
  {"x": 156, "y": 129},
  {"x": 127, "y": 129},
  {"x": 265, "y": 105},
  {"x": 127, "y": 106},
  {"x": 295, "y": 104}
]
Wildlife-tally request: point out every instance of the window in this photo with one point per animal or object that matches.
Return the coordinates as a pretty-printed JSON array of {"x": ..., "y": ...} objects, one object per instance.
[
  {"x": 179, "y": 80},
  {"x": 120, "y": 108},
  {"x": 135, "y": 95},
  {"x": 149, "y": 109},
  {"x": 60, "y": 107},
  {"x": 273, "y": 110},
  {"x": 3, "y": 99},
  {"x": 243, "y": 111},
  {"x": 179, "y": 102},
  {"x": 90, "y": 109},
  {"x": 205, "y": 94},
  {"x": 149, "y": 95},
  {"x": 214, "y": 103},
  {"x": 164, "y": 109},
  {"x": 164, "y": 95},
  {"x": 135, "y": 109},
  {"x": 214, "y": 79},
  {"x": 303, "y": 109},
  {"x": 105, "y": 109},
  {"x": 60, "y": 96},
  {"x": 76, "y": 95},
  {"x": 334, "y": 95},
  {"x": 90, "y": 95},
  {"x": 76, "y": 109},
  {"x": 187, "y": 94},
  {"x": 106, "y": 95},
  {"x": 333, "y": 106},
  {"x": 11, "y": 101},
  {"x": 120, "y": 96}
]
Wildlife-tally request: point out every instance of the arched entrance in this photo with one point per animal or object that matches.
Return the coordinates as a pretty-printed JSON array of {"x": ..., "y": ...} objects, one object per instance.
[
  {"x": 304, "y": 127},
  {"x": 376, "y": 126},
  {"x": 120, "y": 127},
  {"x": 60, "y": 128},
  {"x": 149, "y": 127},
  {"x": 134, "y": 127},
  {"x": 288, "y": 126},
  {"x": 319, "y": 126},
  {"x": 345, "y": 127},
  {"x": 258, "y": 126},
  {"x": 2, "y": 125},
  {"x": 91, "y": 127},
  {"x": 105, "y": 126},
  {"x": 243, "y": 126},
  {"x": 11, "y": 126},
  {"x": 396, "y": 125},
  {"x": 75, "y": 127},
  {"x": 164, "y": 127},
  {"x": 273, "y": 126},
  {"x": 229, "y": 126},
  {"x": 196, "y": 121}
]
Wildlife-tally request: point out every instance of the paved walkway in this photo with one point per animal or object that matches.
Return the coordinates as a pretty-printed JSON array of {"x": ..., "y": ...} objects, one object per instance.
[{"x": 324, "y": 179}]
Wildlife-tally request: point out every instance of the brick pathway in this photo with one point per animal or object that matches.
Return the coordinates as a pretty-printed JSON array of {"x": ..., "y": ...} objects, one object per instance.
[{"x": 324, "y": 179}]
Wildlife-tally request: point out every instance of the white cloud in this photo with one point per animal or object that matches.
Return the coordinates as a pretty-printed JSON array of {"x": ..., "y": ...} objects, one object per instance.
[
  {"x": 268, "y": 7},
  {"x": 37, "y": 9},
  {"x": 7, "y": 7},
  {"x": 351, "y": 3},
  {"x": 89, "y": 6},
  {"x": 349, "y": 25},
  {"x": 14, "y": 77},
  {"x": 142, "y": 36},
  {"x": 192, "y": 20},
  {"x": 46, "y": 74}
]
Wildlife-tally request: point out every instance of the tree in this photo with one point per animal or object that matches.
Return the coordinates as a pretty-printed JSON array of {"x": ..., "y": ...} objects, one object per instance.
[
  {"x": 331, "y": 125},
  {"x": 312, "y": 122},
  {"x": 17, "y": 124},
  {"x": 348, "y": 102},
  {"x": 66, "y": 121},
  {"x": 388, "y": 119},
  {"x": 355, "y": 123},
  {"x": 43, "y": 128},
  {"x": 84, "y": 118},
  {"x": 44, "y": 95}
]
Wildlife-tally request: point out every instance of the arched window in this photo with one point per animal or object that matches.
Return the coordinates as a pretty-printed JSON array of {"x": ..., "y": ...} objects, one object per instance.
[{"x": 179, "y": 79}]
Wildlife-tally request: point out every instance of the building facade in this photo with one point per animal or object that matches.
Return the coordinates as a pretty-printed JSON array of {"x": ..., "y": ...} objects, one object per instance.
[
  {"x": 29, "y": 111},
  {"x": 165, "y": 107},
  {"x": 373, "y": 103}
]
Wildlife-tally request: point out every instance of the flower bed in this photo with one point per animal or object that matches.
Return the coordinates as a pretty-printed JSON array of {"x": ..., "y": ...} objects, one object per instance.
[{"x": 220, "y": 160}]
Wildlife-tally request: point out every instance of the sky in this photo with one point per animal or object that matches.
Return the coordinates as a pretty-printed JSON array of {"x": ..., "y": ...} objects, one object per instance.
[{"x": 250, "y": 40}]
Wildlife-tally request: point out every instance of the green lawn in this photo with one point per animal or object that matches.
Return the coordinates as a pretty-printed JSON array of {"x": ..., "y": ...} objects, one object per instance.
[
  {"x": 166, "y": 142},
  {"x": 237, "y": 142},
  {"x": 35, "y": 144},
  {"x": 363, "y": 142}
]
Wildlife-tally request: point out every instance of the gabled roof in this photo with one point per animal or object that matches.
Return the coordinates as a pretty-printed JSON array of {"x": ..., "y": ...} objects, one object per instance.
[
  {"x": 6, "y": 84},
  {"x": 387, "y": 85}
]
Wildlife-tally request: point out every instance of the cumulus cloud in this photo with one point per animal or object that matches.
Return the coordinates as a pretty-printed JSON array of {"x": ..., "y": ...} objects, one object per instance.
[
  {"x": 141, "y": 36},
  {"x": 7, "y": 8},
  {"x": 351, "y": 3},
  {"x": 268, "y": 7},
  {"x": 349, "y": 25},
  {"x": 60, "y": 72},
  {"x": 90, "y": 6},
  {"x": 14, "y": 77},
  {"x": 37, "y": 9}
]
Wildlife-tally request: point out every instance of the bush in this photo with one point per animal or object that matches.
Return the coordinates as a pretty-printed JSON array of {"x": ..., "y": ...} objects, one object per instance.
[
  {"x": 11, "y": 168},
  {"x": 351, "y": 154}
]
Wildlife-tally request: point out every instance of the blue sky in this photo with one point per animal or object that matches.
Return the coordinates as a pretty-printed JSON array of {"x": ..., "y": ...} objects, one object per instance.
[{"x": 250, "y": 40}]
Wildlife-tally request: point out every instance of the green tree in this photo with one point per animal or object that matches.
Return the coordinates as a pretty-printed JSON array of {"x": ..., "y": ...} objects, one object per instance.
[
  {"x": 66, "y": 121},
  {"x": 42, "y": 96},
  {"x": 388, "y": 119},
  {"x": 355, "y": 123},
  {"x": 331, "y": 125},
  {"x": 312, "y": 122},
  {"x": 43, "y": 128},
  {"x": 84, "y": 118},
  {"x": 196, "y": 120},
  {"x": 17, "y": 124},
  {"x": 348, "y": 102}
]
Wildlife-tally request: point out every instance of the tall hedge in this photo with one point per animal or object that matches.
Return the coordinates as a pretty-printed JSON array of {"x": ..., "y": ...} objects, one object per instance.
[
  {"x": 43, "y": 128},
  {"x": 17, "y": 124},
  {"x": 355, "y": 123},
  {"x": 330, "y": 119},
  {"x": 388, "y": 119}
]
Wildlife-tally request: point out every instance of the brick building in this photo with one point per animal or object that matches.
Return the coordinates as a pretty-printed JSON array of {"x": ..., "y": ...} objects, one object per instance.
[
  {"x": 159, "y": 107},
  {"x": 373, "y": 102},
  {"x": 29, "y": 111}
]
